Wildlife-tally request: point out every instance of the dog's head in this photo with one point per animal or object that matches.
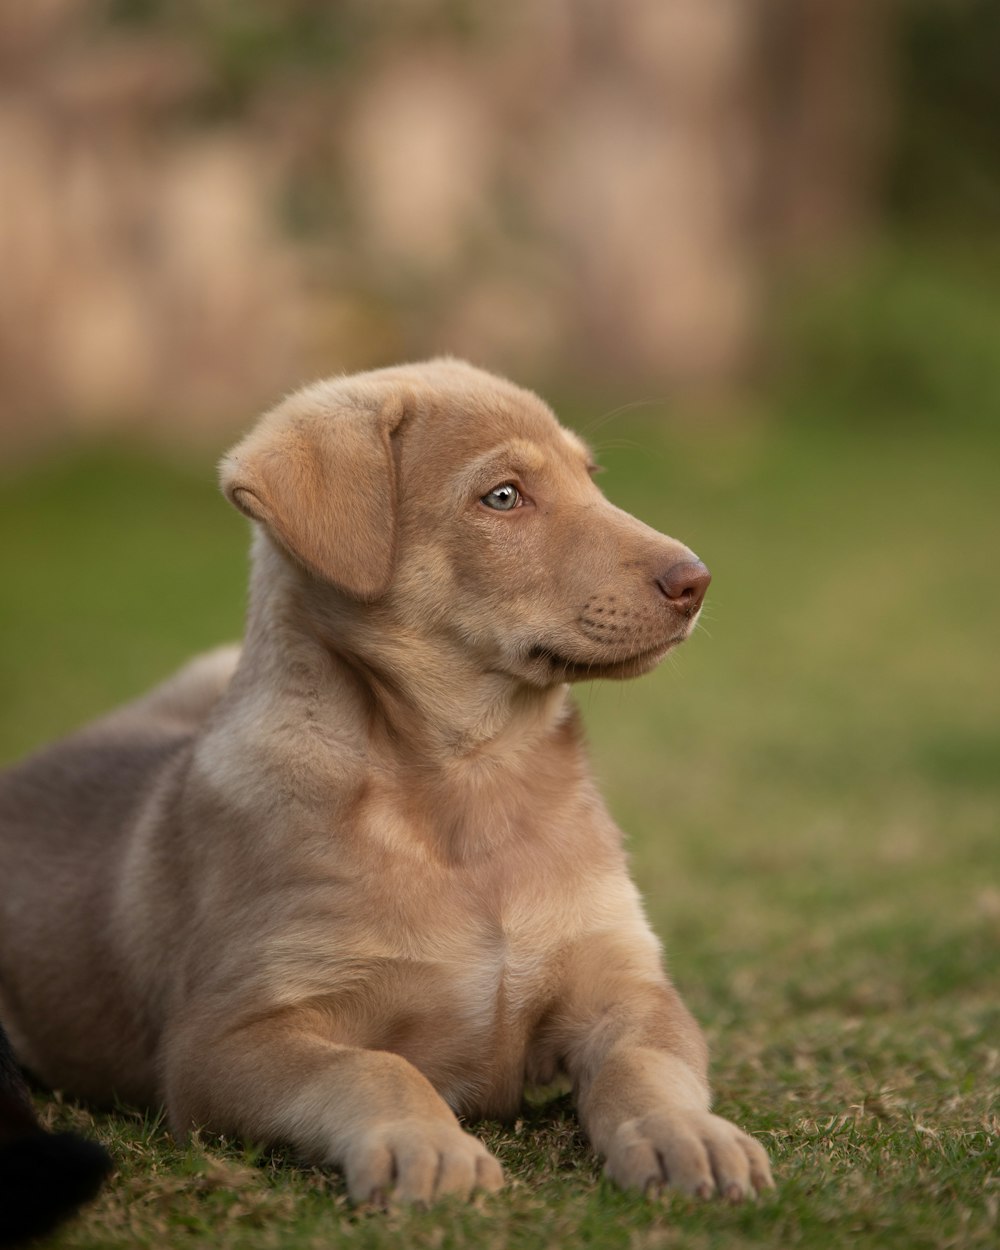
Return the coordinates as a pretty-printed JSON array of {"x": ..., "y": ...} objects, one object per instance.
[{"x": 445, "y": 503}]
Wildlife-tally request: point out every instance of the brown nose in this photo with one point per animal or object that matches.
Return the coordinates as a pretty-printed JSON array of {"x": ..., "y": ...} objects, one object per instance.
[{"x": 685, "y": 585}]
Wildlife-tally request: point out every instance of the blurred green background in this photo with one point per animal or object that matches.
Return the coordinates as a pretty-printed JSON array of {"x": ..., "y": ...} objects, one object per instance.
[{"x": 751, "y": 252}]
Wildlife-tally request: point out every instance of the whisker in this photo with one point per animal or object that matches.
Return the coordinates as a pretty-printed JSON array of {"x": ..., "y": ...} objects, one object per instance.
[{"x": 598, "y": 422}]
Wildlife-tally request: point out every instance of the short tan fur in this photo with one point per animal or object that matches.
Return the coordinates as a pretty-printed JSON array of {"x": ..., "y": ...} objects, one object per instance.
[{"x": 354, "y": 880}]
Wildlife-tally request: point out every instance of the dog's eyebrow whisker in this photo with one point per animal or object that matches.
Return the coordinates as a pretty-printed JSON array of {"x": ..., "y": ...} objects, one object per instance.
[{"x": 599, "y": 422}]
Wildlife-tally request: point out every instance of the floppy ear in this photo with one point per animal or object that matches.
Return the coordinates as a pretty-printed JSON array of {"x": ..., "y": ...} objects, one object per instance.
[{"x": 323, "y": 481}]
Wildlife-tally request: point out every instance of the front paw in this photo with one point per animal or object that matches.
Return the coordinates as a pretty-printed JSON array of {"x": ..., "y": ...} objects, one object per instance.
[
  {"x": 413, "y": 1160},
  {"x": 693, "y": 1151}
]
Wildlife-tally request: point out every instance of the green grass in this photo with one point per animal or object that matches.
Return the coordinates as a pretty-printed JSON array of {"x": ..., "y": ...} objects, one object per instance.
[{"x": 810, "y": 790}]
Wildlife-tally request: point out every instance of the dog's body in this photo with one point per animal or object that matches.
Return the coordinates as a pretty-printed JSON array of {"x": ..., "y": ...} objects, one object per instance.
[{"x": 356, "y": 879}]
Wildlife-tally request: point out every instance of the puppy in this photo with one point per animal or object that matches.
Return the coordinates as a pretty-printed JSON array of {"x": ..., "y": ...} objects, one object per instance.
[{"x": 355, "y": 881}]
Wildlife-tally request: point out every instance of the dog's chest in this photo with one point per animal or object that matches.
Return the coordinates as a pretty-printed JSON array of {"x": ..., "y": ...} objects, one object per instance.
[
  {"x": 466, "y": 1007},
  {"x": 487, "y": 955},
  {"x": 470, "y": 966},
  {"x": 453, "y": 960}
]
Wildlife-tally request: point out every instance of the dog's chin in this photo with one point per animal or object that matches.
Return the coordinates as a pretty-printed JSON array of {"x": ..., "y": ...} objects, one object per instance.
[{"x": 552, "y": 666}]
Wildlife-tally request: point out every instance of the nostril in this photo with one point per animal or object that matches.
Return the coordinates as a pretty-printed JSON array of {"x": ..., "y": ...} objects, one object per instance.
[{"x": 685, "y": 584}]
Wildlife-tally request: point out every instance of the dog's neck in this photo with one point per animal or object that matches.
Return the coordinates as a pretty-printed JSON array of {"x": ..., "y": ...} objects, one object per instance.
[{"x": 419, "y": 697}]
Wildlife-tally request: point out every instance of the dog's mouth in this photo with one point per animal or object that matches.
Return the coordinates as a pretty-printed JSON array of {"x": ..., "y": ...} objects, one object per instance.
[{"x": 568, "y": 669}]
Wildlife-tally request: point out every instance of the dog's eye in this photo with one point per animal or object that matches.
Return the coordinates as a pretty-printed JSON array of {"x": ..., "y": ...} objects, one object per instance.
[{"x": 503, "y": 498}]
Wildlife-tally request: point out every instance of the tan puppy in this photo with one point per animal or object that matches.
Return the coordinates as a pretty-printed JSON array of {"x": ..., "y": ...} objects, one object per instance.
[{"x": 356, "y": 881}]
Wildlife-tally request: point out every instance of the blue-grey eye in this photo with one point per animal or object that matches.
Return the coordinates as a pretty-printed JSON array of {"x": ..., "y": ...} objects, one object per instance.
[{"x": 503, "y": 498}]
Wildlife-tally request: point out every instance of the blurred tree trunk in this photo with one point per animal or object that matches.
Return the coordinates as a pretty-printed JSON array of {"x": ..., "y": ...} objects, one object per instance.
[{"x": 825, "y": 72}]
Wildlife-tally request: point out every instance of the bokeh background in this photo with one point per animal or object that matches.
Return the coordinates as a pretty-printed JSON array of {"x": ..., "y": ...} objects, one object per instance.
[
  {"x": 750, "y": 249},
  {"x": 205, "y": 201}
]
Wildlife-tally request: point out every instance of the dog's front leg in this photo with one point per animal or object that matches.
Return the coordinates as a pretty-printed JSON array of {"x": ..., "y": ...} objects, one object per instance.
[
  {"x": 369, "y": 1112},
  {"x": 638, "y": 1063}
]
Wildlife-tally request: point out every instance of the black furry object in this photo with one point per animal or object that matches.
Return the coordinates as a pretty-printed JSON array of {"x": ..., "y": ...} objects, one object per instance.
[{"x": 44, "y": 1177}]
